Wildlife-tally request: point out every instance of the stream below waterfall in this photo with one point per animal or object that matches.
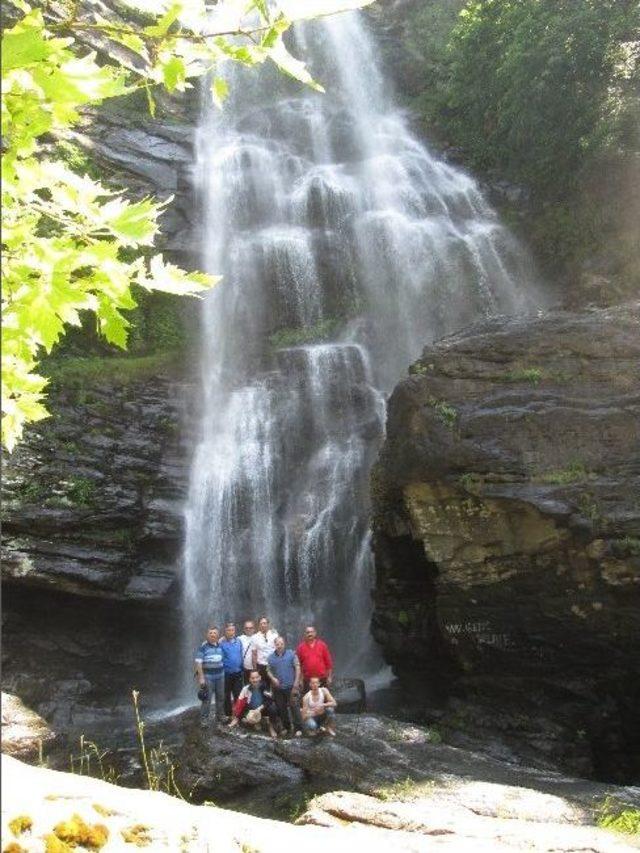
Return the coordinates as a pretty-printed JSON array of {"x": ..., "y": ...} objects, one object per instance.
[{"x": 346, "y": 246}]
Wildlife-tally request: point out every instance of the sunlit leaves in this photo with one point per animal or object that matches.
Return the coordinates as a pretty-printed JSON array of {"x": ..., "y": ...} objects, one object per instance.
[
  {"x": 70, "y": 244},
  {"x": 25, "y": 44},
  {"x": 171, "y": 279}
]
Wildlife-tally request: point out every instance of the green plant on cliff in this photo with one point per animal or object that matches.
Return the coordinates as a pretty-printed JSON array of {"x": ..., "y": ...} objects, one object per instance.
[
  {"x": 445, "y": 412},
  {"x": 537, "y": 85},
  {"x": 575, "y": 472},
  {"x": 525, "y": 374},
  {"x": 323, "y": 330},
  {"x": 629, "y": 546},
  {"x": 618, "y": 817},
  {"x": 71, "y": 245}
]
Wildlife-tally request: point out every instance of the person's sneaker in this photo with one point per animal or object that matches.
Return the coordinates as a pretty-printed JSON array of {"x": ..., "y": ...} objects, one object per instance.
[
  {"x": 204, "y": 724},
  {"x": 322, "y": 729}
]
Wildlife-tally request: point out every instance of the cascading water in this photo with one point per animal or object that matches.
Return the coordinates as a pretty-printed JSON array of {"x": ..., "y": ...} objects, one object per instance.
[{"x": 330, "y": 223}]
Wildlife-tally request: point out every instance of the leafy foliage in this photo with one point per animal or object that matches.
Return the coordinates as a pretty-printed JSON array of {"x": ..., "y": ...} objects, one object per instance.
[
  {"x": 531, "y": 83},
  {"x": 544, "y": 93},
  {"x": 71, "y": 245}
]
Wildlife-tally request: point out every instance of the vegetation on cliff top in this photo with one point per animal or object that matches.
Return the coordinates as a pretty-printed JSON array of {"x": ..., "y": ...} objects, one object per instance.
[{"x": 543, "y": 93}]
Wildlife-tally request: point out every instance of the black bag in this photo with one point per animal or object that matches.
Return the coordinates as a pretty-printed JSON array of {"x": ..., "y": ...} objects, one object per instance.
[{"x": 203, "y": 692}]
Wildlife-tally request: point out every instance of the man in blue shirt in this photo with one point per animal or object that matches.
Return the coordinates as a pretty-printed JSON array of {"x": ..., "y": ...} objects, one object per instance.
[
  {"x": 210, "y": 672},
  {"x": 232, "y": 658},
  {"x": 283, "y": 670}
]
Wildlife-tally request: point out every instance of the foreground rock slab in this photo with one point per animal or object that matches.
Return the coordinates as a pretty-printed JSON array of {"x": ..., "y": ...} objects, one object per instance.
[
  {"x": 126, "y": 818},
  {"x": 524, "y": 821}
]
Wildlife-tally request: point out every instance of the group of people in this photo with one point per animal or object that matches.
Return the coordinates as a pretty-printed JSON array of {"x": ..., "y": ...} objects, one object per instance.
[{"x": 254, "y": 680}]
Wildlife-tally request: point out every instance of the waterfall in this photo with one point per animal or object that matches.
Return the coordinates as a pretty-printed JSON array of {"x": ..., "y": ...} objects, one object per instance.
[{"x": 345, "y": 246}]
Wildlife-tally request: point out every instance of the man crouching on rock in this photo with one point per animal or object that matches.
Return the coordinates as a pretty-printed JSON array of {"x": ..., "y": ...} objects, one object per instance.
[
  {"x": 318, "y": 709},
  {"x": 254, "y": 705}
]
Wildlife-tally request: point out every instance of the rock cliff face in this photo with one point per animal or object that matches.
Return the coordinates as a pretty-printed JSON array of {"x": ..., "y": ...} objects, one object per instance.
[
  {"x": 93, "y": 497},
  {"x": 92, "y": 531},
  {"x": 507, "y": 530}
]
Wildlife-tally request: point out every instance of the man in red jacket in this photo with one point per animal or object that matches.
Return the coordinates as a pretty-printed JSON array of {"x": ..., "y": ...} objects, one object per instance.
[{"x": 315, "y": 658}]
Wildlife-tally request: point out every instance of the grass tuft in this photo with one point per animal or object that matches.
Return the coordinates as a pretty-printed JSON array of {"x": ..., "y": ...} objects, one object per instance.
[{"x": 616, "y": 817}]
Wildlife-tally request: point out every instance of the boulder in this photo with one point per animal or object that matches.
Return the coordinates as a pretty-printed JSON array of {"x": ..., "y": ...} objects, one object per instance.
[
  {"x": 370, "y": 754},
  {"x": 506, "y": 504},
  {"x": 24, "y": 733},
  {"x": 495, "y": 821}
]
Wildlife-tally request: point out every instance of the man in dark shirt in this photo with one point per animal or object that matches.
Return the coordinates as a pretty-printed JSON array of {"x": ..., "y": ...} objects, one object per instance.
[{"x": 283, "y": 670}]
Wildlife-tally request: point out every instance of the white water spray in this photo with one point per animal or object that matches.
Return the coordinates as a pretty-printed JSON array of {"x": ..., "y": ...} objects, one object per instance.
[{"x": 329, "y": 221}]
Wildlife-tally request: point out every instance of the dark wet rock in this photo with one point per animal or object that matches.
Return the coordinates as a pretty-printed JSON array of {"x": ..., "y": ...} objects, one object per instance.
[
  {"x": 219, "y": 766},
  {"x": 507, "y": 532},
  {"x": 386, "y": 758},
  {"x": 92, "y": 533},
  {"x": 88, "y": 529}
]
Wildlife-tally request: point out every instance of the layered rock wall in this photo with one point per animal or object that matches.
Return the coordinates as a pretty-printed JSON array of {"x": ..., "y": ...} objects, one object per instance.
[
  {"x": 507, "y": 523},
  {"x": 92, "y": 534}
]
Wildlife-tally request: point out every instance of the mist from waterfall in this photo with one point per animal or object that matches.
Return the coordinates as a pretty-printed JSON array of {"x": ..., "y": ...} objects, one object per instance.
[{"x": 345, "y": 246}]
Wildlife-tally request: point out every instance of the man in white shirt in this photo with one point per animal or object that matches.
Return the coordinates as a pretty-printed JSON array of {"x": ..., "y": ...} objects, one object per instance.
[
  {"x": 247, "y": 649},
  {"x": 263, "y": 644}
]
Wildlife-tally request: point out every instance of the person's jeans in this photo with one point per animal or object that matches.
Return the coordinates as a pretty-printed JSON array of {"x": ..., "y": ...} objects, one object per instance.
[
  {"x": 232, "y": 687},
  {"x": 312, "y": 723},
  {"x": 216, "y": 695},
  {"x": 288, "y": 708}
]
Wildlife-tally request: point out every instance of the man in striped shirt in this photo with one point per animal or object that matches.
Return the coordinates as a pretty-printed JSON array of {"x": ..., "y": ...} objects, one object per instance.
[{"x": 210, "y": 672}]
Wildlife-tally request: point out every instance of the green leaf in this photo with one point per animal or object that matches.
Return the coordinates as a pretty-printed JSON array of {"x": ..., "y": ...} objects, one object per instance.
[
  {"x": 219, "y": 91},
  {"x": 24, "y": 44},
  {"x": 171, "y": 279},
  {"x": 112, "y": 324},
  {"x": 279, "y": 54},
  {"x": 270, "y": 38},
  {"x": 133, "y": 223},
  {"x": 174, "y": 73},
  {"x": 170, "y": 17}
]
